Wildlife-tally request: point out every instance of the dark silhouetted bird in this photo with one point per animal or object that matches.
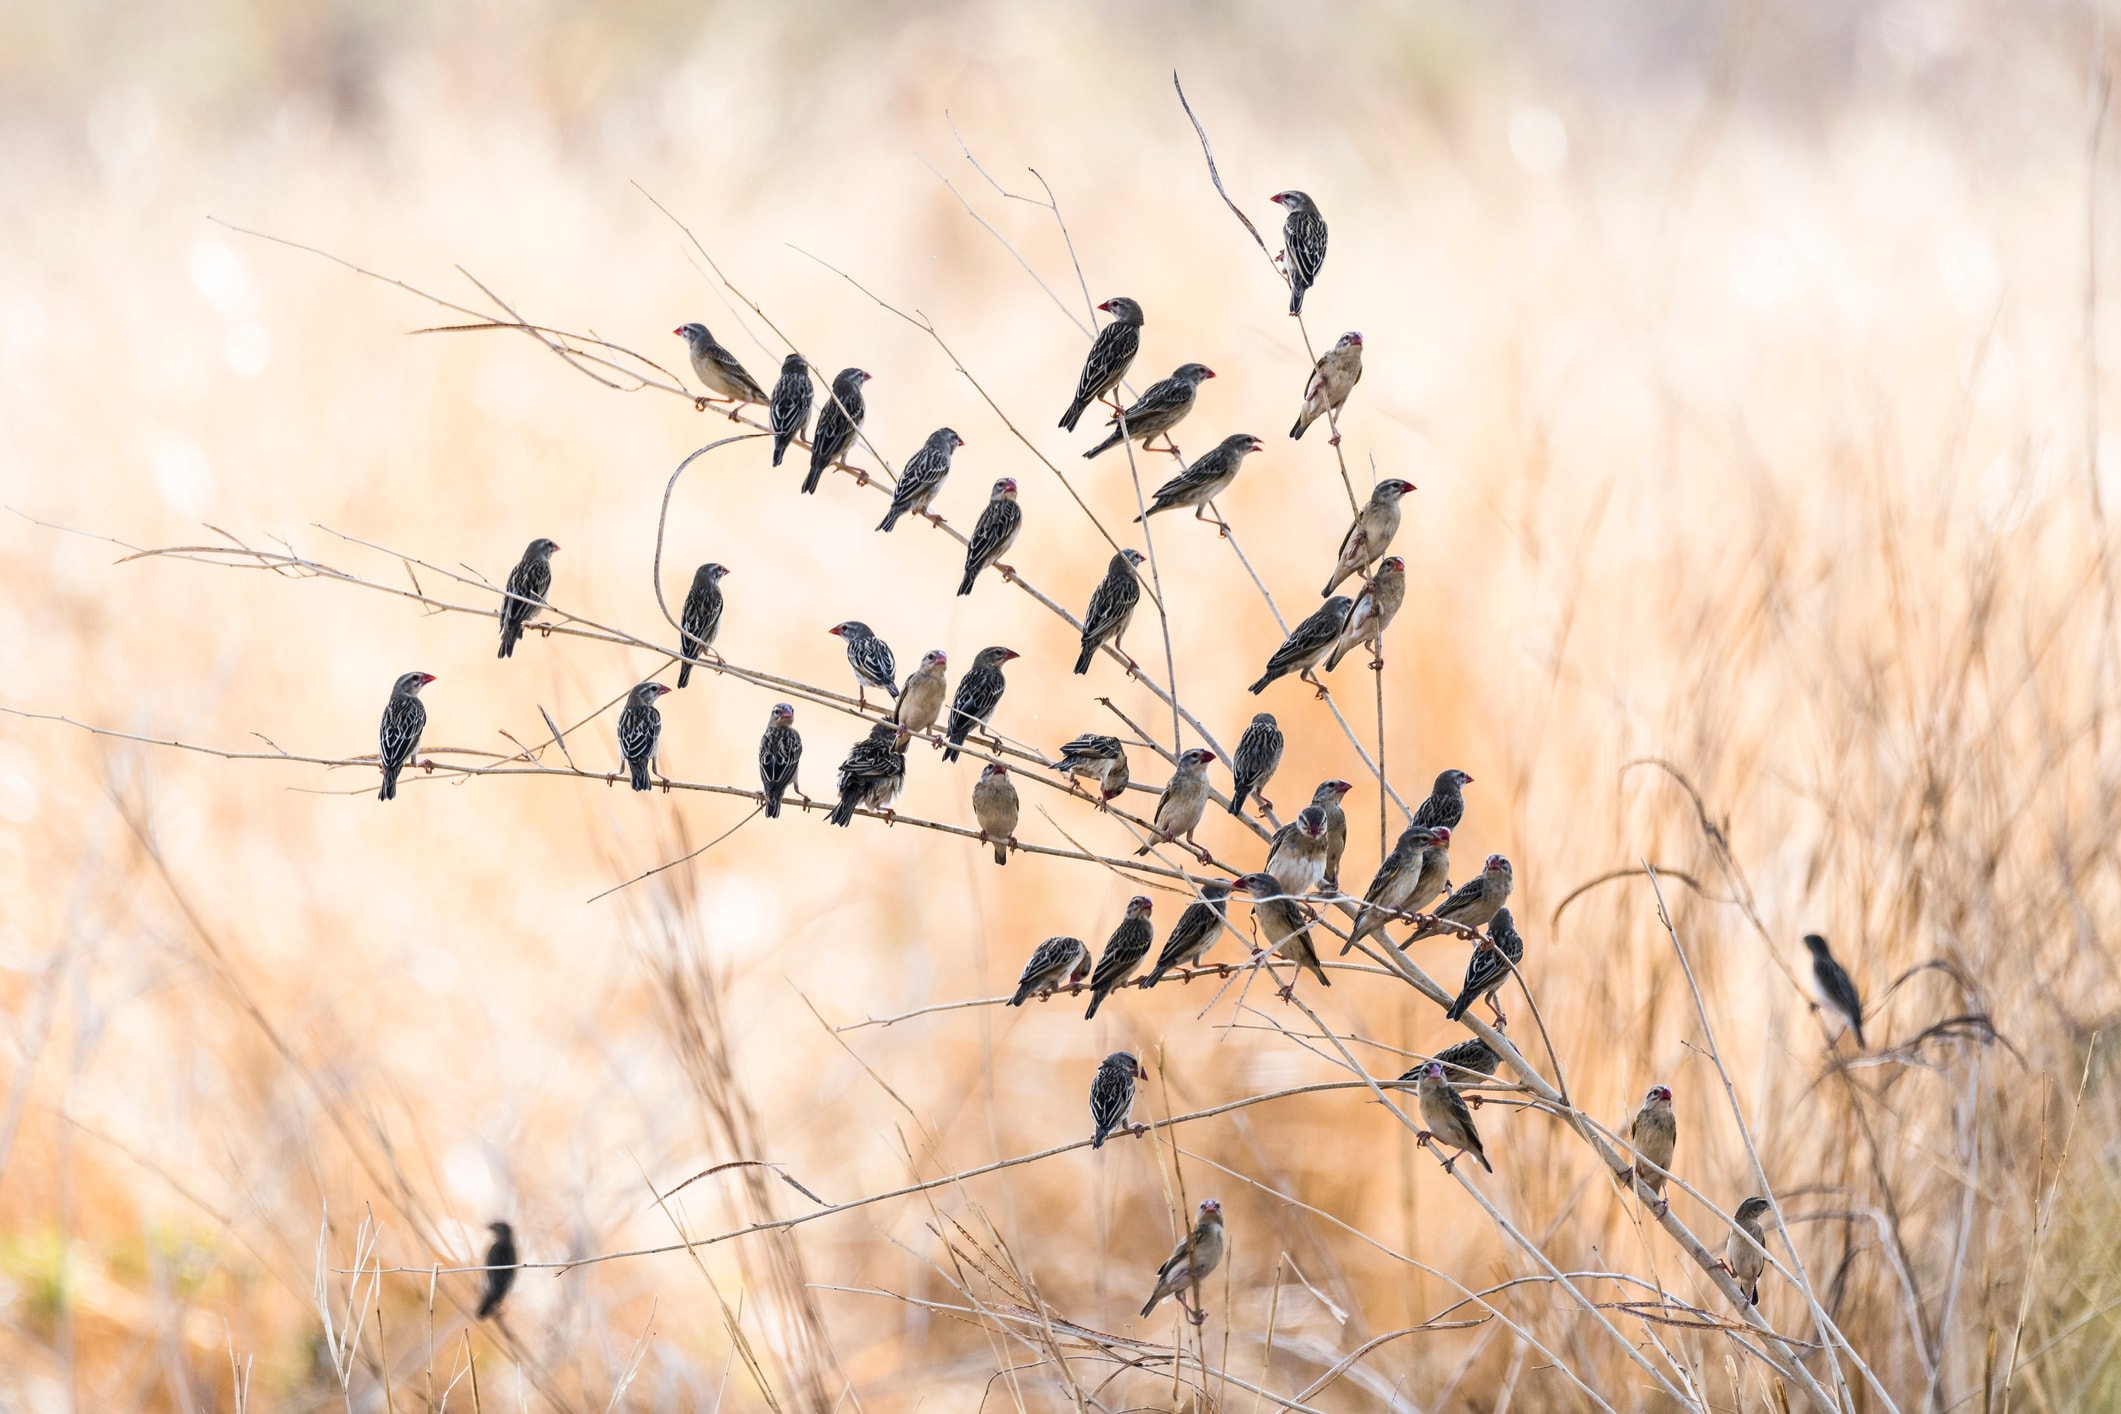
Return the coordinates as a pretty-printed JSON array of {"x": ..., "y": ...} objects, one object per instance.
[
  {"x": 404, "y": 718},
  {"x": 500, "y": 1267},
  {"x": 1835, "y": 989}
]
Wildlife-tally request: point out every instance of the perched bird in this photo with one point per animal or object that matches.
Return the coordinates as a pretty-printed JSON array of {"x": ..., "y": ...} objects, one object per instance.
[
  {"x": 1206, "y": 479},
  {"x": 1196, "y": 930},
  {"x": 1303, "y": 238},
  {"x": 870, "y": 657},
  {"x": 1124, "y": 952},
  {"x": 1472, "y": 903},
  {"x": 1198, "y": 1253},
  {"x": 1056, "y": 963},
  {"x": 1307, "y": 644},
  {"x": 1285, "y": 923},
  {"x": 1111, "y": 355},
  {"x": 1095, "y": 758},
  {"x": 1297, "y": 853},
  {"x": 1112, "y": 1095},
  {"x": 920, "y": 701},
  {"x": 640, "y": 731},
  {"x": 979, "y": 692},
  {"x": 1371, "y": 533},
  {"x": 836, "y": 424},
  {"x": 789, "y": 412},
  {"x": 1327, "y": 798},
  {"x": 1158, "y": 410},
  {"x": 1463, "y": 1064},
  {"x": 1185, "y": 799},
  {"x": 702, "y": 619},
  {"x": 872, "y": 775},
  {"x": 1375, "y": 608},
  {"x": 718, "y": 369},
  {"x": 1490, "y": 966},
  {"x": 1416, "y": 871},
  {"x": 1446, "y": 804},
  {"x": 1111, "y": 610},
  {"x": 404, "y": 718},
  {"x": 528, "y": 584},
  {"x": 922, "y": 477},
  {"x": 1835, "y": 988},
  {"x": 500, "y": 1267},
  {"x": 1333, "y": 377},
  {"x": 1447, "y": 1117},
  {"x": 1655, "y": 1133},
  {"x": 1255, "y": 761},
  {"x": 994, "y": 534},
  {"x": 995, "y": 806},
  {"x": 780, "y": 753},
  {"x": 1745, "y": 1259}
]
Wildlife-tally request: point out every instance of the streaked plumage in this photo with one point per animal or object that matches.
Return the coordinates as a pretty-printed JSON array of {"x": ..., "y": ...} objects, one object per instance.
[
  {"x": 1124, "y": 952},
  {"x": 702, "y": 618},
  {"x": 1489, "y": 966},
  {"x": 993, "y": 534},
  {"x": 500, "y": 1267},
  {"x": 1055, "y": 963},
  {"x": 1446, "y": 804},
  {"x": 1184, "y": 800},
  {"x": 872, "y": 775},
  {"x": 1111, "y": 609},
  {"x": 995, "y": 806},
  {"x": 404, "y": 718},
  {"x": 1465, "y": 1063},
  {"x": 1112, "y": 1095},
  {"x": 1375, "y": 608},
  {"x": 1327, "y": 798},
  {"x": 789, "y": 413},
  {"x": 528, "y": 584},
  {"x": 979, "y": 692},
  {"x": 1303, "y": 237},
  {"x": 1370, "y": 534},
  {"x": 1096, "y": 758},
  {"x": 1413, "y": 873},
  {"x": 1307, "y": 645},
  {"x": 869, "y": 656},
  {"x": 836, "y": 424},
  {"x": 1206, "y": 479},
  {"x": 1333, "y": 377},
  {"x": 718, "y": 369},
  {"x": 1655, "y": 1134},
  {"x": 780, "y": 756},
  {"x": 1111, "y": 355},
  {"x": 1283, "y": 924},
  {"x": 1162, "y": 407},
  {"x": 1197, "y": 1255},
  {"x": 1196, "y": 930},
  {"x": 922, "y": 476},
  {"x": 1297, "y": 853},
  {"x": 1472, "y": 903},
  {"x": 1254, "y": 762},
  {"x": 1836, "y": 990},
  {"x": 1448, "y": 1119},
  {"x": 1748, "y": 1260},
  {"x": 641, "y": 731}
]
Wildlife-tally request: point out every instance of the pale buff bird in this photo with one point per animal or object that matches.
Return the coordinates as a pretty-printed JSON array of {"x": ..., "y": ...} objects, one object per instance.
[
  {"x": 1333, "y": 377},
  {"x": 995, "y": 806},
  {"x": 1327, "y": 798},
  {"x": 1184, "y": 801},
  {"x": 1297, "y": 853},
  {"x": 1197, "y": 1254},
  {"x": 920, "y": 701},
  {"x": 1472, "y": 903},
  {"x": 1412, "y": 874},
  {"x": 1374, "y": 610},
  {"x": 1284, "y": 925},
  {"x": 1746, "y": 1260},
  {"x": 1371, "y": 534},
  {"x": 1655, "y": 1133}
]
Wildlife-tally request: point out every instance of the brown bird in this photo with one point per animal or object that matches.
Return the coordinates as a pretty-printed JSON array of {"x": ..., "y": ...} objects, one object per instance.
[
  {"x": 1413, "y": 873},
  {"x": 1446, "y": 804},
  {"x": 718, "y": 369},
  {"x": 1124, "y": 952},
  {"x": 1655, "y": 1133},
  {"x": 995, "y": 806},
  {"x": 1472, "y": 903},
  {"x": 1333, "y": 377},
  {"x": 1184, "y": 801},
  {"x": 1375, "y": 608},
  {"x": 1297, "y": 853},
  {"x": 1198, "y": 1253},
  {"x": 1308, "y": 644},
  {"x": 1286, "y": 925},
  {"x": 1745, "y": 1254},
  {"x": 1095, "y": 758},
  {"x": 1371, "y": 534},
  {"x": 920, "y": 701},
  {"x": 1327, "y": 798},
  {"x": 1057, "y": 962},
  {"x": 1448, "y": 1118}
]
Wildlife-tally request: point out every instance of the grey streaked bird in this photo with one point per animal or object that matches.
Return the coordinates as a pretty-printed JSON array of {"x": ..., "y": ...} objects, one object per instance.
[
  {"x": 1124, "y": 952},
  {"x": 1203, "y": 481},
  {"x": 404, "y": 719},
  {"x": 1467, "y": 1063},
  {"x": 780, "y": 756},
  {"x": 1472, "y": 903},
  {"x": 872, "y": 775},
  {"x": 1057, "y": 962},
  {"x": 1285, "y": 924},
  {"x": 979, "y": 692},
  {"x": 1446, "y": 804},
  {"x": 870, "y": 657},
  {"x": 1416, "y": 871},
  {"x": 837, "y": 422},
  {"x": 702, "y": 619},
  {"x": 641, "y": 731},
  {"x": 789, "y": 412},
  {"x": 1111, "y": 610},
  {"x": 1254, "y": 762},
  {"x": 922, "y": 477},
  {"x": 1490, "y": 966},
  {"x": 994, "y": 533},
  {"x": 1159, "y": 409},
  {"x": 1195, "y": 932},
  {"x": 1307, "y": 645},
  {"x": 1327, "y": 798},
  {"x": 1303, "y": 237},
  {"x": 528, "y": 584},
  {"x": 1112, "y": 1095},
  {"x": 1097, "y": 758},
  {"x": 1111, "y": 355}
]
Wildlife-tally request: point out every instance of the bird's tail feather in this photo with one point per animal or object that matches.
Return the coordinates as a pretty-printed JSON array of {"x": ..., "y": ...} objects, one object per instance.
[
  {"x": 1296, "y": 299},
  {"x": 1303, "y": 425},
  {"x": 1082, "y": 663},
  {"x": 890, "y": 519},
  {"x": 509, "y": 635},
  {"x": 1096, "y": 1001},
  {"x": 639, "y": 771},
  {"x": 1105, "y": 446},
  {"x": 949, "y": 753},
  {"x": 773, "y": 805},
  {"x": 1001, "y": 851},
  {"x": 684, "y": 672},
  {"x": 1074, "y": 414},
  {"x": 1261, "y": 685},
  {"x": 1152, "y": 1303},
  {"x": 964, "y": 585},
  {"x": 843, "y": 814},
  {"x": 1237, "y": 802},
  {"x": 390, "y": 786},
  {"x": 1458, "y": 1008},
  {"x": 810, "y": 481}
]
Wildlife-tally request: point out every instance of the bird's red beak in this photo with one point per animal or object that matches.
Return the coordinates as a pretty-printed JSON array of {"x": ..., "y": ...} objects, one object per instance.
[
  {"x": 1209, "y": 374},
  {"x": 426, "y": 678},
  {"x": 1355, "y": 339},
  {"x": 1012, "y": 482},
  {"x": 1106, "y": 306},
  {"x": 1206, "y": 757},
  {"x": 867, "y": 376},
  {"x": 1008, "y": 653},
  {"x": 834, "y": 632},
  {"x": 1276, "y": 198},
  {"x": 677, "y": 331}
]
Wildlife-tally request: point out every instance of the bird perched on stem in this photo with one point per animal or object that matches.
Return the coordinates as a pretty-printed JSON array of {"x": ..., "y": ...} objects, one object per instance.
[
  {"x": 1157, "y": 410},
  {"x": 1490, "y": 966},
  {"x": 702, "y": 619},
  {"x": 1111, "y": 610},
  {"x": 780, "y": 754},
  {"x": 1112, "y": 1096},
  {"x": 1836, "y": 990},
  {"x": 1285, "y": 924},
  {"x": 500, "y": 1264},
  {"x": 1466, "y": 1063},
  {"x": 641, "y": 731},
  {"x": 789, "y": 412},
  {"x": 995, "y": 806},
  {"x": 872, "y": 775},
  {"x": 1415, "y": 872},
  {"x": 1124, "y": 952},
  {"x": 404, "y": 718},
  {"x": 528, "y": 584},
  {"x": 718, "y": 370},
  {"x": 979, "y": 692},
  {"x": 1654, "y": 1134},
  {"x": 1307, "y": 645},
  {"x": 1375, "y": 608},
  {"x": 1303, "y": 237},
  {"x": 1111, "y": 355},
  {"x": 1297, "y": 853},
  {"x": 1057, "y": 962},
  {"x": 1472, "y": 903},
  {"x": 1184, "y": 801},
  {"x": 1327, "y": 798},
  {"x": 920, "y": 701},
  {"x": 1095, "y": 758},
  {"x": 1446, "y": 804},
  {"x": 922, "y": 477},
  {"x": 1203, "y": 481},
  {"x": 1333, "y": 377},
  {"x": 1370, "y": 535},
  {"x": 870, "y": 657},
  {"x": 1195, "y": 932},
  {"x": 1254, "y": 762},
  {"x": 1448, "y": 1118},
  {"x": 836, "y": 425},
  {"x": 994, "y": 533},
  {"x": 1745, "y": 1252},
  {"x": 1198, "y": 1253}
]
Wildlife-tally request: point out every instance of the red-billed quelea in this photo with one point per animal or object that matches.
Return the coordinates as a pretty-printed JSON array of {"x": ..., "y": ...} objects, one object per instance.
[
  {"x": 1375, "y": 608},
  {"x": 837, "y": 423},
  {"x": 1472, "y": 903},
  {"x": 1184, "y": 801},
  {"x": 1446, "y": 804},
  {"x": 1370, "y": 535},
  {"x": 1284, "y": 925},
  {"x": 1448, "y": 1120},
  {"x": 528, "y": 584},
  {"x": 1467, "y": 1063},
  {"x": 1490, "y": 966},
  {"x": 1836, "y": 992},
  {"x": 1308, "y": 644},
  {"x": 1745, "y": 1253},
  {"x": 1416, "y": 871},
  {"x": 500, "y": 1264},
  {"x": 994, "y": 533},
  {"x": 922, "y": 477},
  {"x": 641, "y": 731},
  {"x": 1198, "y": 1253},
  {"x": 1195, "y": 932},
  {"x": 404, "y": 718},
  {"x": 1111, "y": 610},
  {"x": 995, "y": 806},
  {"x": 1303, "y": 237},
  {"x": 1158, "y": 410},
  {"x": 1111, "y": 355},
  {"x": 979, "y": 692},
  {"x": 1327, "y": 798},
  {"x": 1333, "y": 377},
  {"x": 1092, "y": 757},
  {"x": 920, "y": 701},
  {"x": 718, "y": 369},
  {"x": 1253, "y": 764},
  {"x": 1112, "y": 1095},
  {"x": 870, "y": 657},
  {"x": 872, "y": 775},
  {"x": 701, "y": 621},
  {"x": 789, "y": 412},
  {"x": 1057, "y": 962},
  {"x": 1124, "y": 952},
  {"x": 1297, "y": 853},
  {"x": 1654, "y": 1135},
  {"x": 780, "y": 756},
  {"x": 1203, "y": 481}
]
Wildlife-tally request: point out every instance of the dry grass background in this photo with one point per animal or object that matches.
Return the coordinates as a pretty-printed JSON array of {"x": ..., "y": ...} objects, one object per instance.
[{"x": 1757, "y": 432}]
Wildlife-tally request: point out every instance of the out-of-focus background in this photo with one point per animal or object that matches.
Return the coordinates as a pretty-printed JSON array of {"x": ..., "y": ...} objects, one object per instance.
[{"x": 1748, "y": 360}]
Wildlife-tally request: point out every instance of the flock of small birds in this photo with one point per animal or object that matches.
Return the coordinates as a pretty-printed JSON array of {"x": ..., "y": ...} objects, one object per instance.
[{"x": 1303, "y": 860}]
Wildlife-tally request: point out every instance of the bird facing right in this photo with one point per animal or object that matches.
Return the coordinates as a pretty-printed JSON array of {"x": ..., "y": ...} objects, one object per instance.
[
  {"x": 1195, "y": 932},
  {"x": 1112, "y": 1095},
  {"x": 1655, "y": 1134},
  {"x": 1057, "y": 962},
  {"x": 702, "y": 619},
  {"x": 641, "y": 731},
  {"x": 1253, "y": 764},
  {"x": 1836, "y": 990},
  {"x": 1111, "y": 610},
  {"x": 1412, "y": 874},
  {"x": 1203, "y": 481},
  {"x": 1370, "y": 536},
  {"x": 921, "y": 478},
  {"x": 836, "y": 425},
  {"x": 979, "y": 692},
  {"x": 780, "y": 756},
  {"x": 994, "y": 533},
  {"x": 789, "y": 412},
  {"x": 1308, "y": 644},
  {"x": 920, "y": 701},
  {"x": 1446, "y": 804},
  {"x": 1184, "y": 801},
  {"x": 1472, "y": 903},
  {"x": 1490, "y": 966},
  {"x": 404, "y": 718},
  {"x": 528, "y": 584},
  {"x": 1375, "y": 608},
  {"x": 1162, "y": 407}
]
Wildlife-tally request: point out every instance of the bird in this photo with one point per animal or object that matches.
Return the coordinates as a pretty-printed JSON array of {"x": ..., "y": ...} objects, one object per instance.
[
  {"x": 836, "y": 424},
  {"x": 870, "y": 657},
  {"x": 993, "y": 534},
  {"x": 1371, "y": 533},
  {"x": 920, "y": 701},
  {"x": 1185, "y": 799},
  {"x": 921, "y": 477},
  {"x": 1463, "y": 1064},
  {"x": 1057, "y": 962},
  {"x": 789, "y": 412},
  {"x": 1333, "y": 377},
  {"x": 1447, "y": 1118},
  {"x": 1297, "y": 853},
  {"x": 1835, "y": 988},
  {"x": 1095, "y": 758},
  {"x": 1327, "y": 798},
  {"x": 500, "y": 1267},
  {"x": 1472, "y": 903},
  {"x": 872, "y": 775},
  {"x": 1111, "y": 610},
  {"x": 640, "y": 731},
  {"x": 1198, "y": 1253},
  {"x": 1286, "y": 924},
  {"x": 995, "y": 806},
  {"x": 1446, "y": 804},
  {"x": 1490, "y": 966},
  {"x": 718, "y": 369},
  {"x": 1157, "y": 410},
  {"x": 1416, "y": 871},
  {"x": 702, "y": 618},
  {"x": 1124, "y": 952},
  {"x": 780, "y": 753},
  {"x": 1112, "y": 1095},
  {"x": 1307, "y": 645},
  {"x": 528, "y": 584},
  {"x": 1111, "y": 355},
  {"x": 979, "y": 692},
  {"x": 404, "y": 718},
  {"x": 1303, "y": 238},
  {"x": 1745, "y": 1252},
  {"x": 1195, "y": 932},
  {"x": 1654, "y": 1133},
  {"x": 1375, "y": 608},
  {"x": 1206, "y": 479},
  {"x": 1253, "y": 764}
]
